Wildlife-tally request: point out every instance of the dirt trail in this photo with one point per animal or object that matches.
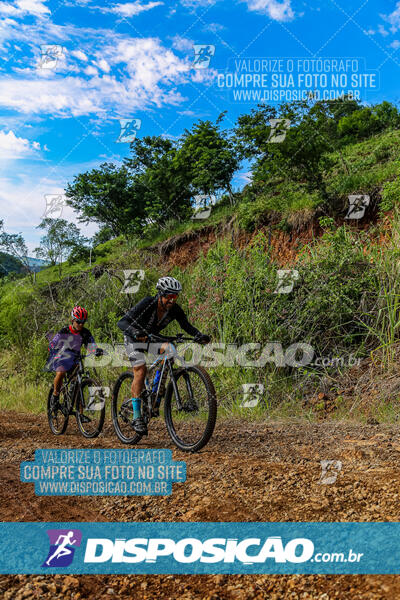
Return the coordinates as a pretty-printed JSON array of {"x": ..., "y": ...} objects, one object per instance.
[{"x": 248, "y": 472}]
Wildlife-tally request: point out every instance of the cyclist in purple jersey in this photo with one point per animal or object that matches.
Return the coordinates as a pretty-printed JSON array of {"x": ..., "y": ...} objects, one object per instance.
[{"x": 65, "y": 348}]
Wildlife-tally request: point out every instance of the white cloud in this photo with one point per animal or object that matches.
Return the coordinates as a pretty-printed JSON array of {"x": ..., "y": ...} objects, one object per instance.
[
  {"x": 382, "y": 30},
  {"x": 33, "y": 7},
  {"x": 393, "y": 18},
  {"x": 278, "y": 11},
  {"x": 37, "y": 8},
  {"x": 214, "y": 27},
  {"x": 151, "y": 73},
  {"x": 182, "y": 44},
  {"x": 23, "y": 203},
  {"x": 131, "y": 9},
  {"x": 204, "y": 75},
  {"x": 244, "y": 177},
  {"x": 395, "y": 44},
  {"x": 91, "y": 71},
  {"x": 79, "y": 55},
  {"x": 103, "y": 65},
  {"x": 13, "y": 147},
  {"x": 195, "y": 3},
  {"x": 8, "y": 9},
  {"x": 63, "y": 97},
  {"x": 148, "y": 64}
]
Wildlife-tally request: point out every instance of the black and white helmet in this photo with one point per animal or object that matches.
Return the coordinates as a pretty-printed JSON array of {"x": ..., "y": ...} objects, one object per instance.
[{"x": 168, "y": 285}]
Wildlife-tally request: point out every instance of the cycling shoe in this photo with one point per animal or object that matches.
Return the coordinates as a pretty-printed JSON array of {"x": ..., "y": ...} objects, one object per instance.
[{"x": 140, "y": 426}]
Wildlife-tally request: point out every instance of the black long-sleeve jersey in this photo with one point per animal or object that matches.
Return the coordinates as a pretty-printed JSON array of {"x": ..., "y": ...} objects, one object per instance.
[{"x": 143, "y": 317}]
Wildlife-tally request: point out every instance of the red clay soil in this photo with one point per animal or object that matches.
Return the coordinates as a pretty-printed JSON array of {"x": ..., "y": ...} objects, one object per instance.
[{"x": 264, "y": 471}]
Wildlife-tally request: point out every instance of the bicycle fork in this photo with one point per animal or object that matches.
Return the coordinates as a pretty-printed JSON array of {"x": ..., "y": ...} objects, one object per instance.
[{"x": 189, "y": 388}]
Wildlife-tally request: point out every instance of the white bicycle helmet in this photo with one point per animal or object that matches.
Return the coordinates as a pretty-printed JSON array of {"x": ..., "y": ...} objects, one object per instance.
[{"x": 168, "y": 285}]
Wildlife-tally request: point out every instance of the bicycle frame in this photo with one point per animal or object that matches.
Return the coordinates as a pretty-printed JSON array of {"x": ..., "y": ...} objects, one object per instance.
[
  {"x": 74, "y": 379},
  {"x": 168, "y": 363}
]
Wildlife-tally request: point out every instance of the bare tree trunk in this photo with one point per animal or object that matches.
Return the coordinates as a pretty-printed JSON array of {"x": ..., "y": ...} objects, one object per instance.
[
  {"x": 51, "y": 295},
  {"x": 231, "y": 197}
]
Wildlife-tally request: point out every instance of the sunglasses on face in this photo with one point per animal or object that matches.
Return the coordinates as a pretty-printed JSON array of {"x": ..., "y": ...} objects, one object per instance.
[
  {"x": 80, "y": 321},
  {"x": 171, "y": 296}
]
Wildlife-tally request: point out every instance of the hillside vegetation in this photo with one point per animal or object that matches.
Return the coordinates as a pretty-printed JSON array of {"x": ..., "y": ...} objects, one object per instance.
[{"x": 344, "y": 302}]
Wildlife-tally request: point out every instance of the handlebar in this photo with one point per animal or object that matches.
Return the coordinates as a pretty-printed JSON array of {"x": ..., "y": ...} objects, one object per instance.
[{"x": 169, "y": 338}]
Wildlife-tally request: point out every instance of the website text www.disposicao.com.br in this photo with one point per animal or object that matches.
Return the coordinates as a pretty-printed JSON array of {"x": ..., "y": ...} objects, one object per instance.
[{"x": 212, "y": 550}]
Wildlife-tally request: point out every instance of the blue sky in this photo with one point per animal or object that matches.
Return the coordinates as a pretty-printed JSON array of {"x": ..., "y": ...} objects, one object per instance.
[{"x": 122, "y": 60}]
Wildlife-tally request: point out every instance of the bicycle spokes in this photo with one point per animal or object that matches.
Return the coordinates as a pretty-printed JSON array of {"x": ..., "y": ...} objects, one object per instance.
[
  {"x": 125, "y": 408},
  {"x": 122, "y": 410},
  {"x": 90, "y": 408},
  {"x": 189, "y": 408},
  {"x": 58, "y": 411}
]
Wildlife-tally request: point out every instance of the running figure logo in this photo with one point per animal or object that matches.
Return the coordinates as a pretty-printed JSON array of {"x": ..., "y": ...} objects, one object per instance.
[
  {"x": 62, "y": 550},
  {"x": 202, "y": 55}
]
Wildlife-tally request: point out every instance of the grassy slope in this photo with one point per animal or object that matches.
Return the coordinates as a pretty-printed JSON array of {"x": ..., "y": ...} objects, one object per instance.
[{"x": 371, "y": 164}]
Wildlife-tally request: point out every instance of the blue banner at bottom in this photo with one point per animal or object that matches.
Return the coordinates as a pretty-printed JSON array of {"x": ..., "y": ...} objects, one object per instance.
[{"x": 195, "y": 548}]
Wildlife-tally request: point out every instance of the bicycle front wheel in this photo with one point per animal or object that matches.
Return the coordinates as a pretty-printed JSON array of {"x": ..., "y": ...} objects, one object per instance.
[
  {"x": 58, "y": 413},
  {"x": 90, "y": 408},
  {"x": 122, "y": 411},
  {"x": 190, "y": 411}
]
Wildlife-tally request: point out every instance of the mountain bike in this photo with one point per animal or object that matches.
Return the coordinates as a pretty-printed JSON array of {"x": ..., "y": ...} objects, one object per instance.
[
  {"x": 81, "y": 396},
  {"x": 190, "y": 404}
]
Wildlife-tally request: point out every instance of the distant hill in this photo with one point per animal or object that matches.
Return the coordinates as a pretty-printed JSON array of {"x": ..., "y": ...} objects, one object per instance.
[
  {"x": 9, "y": 264},
  {"x": 36, "y": 263}
]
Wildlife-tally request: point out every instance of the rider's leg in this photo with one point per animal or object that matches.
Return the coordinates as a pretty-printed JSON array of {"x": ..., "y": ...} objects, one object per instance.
[
  {"x": 58, "y": 379},
  {"x": 139, "y": 375}
]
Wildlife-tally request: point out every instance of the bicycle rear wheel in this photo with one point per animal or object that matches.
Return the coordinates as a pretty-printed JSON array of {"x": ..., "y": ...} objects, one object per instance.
[
  {"x": 58, "y": 414},
  {"x": 190, "y": 419},
  {"x": 90, "y": 408},
  {"x": 122, "y": 411}
]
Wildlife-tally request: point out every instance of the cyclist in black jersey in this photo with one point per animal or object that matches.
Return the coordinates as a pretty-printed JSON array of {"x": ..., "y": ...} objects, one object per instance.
[{"x": 151, "y": 315}]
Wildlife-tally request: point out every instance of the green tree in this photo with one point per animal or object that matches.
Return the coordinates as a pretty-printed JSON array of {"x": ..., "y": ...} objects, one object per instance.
[
  {"x": 60, "y": 240},
  {"x": 161, "y": 178},
  {"x": 108, "y": 196},
  {"x": 211, "y": 157},
  {"x": 103, "y": 235},
  {"x": 301, "y": 156},
  {"x": 368, "y": 121},
  {"x": 14, "y": 245}
]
